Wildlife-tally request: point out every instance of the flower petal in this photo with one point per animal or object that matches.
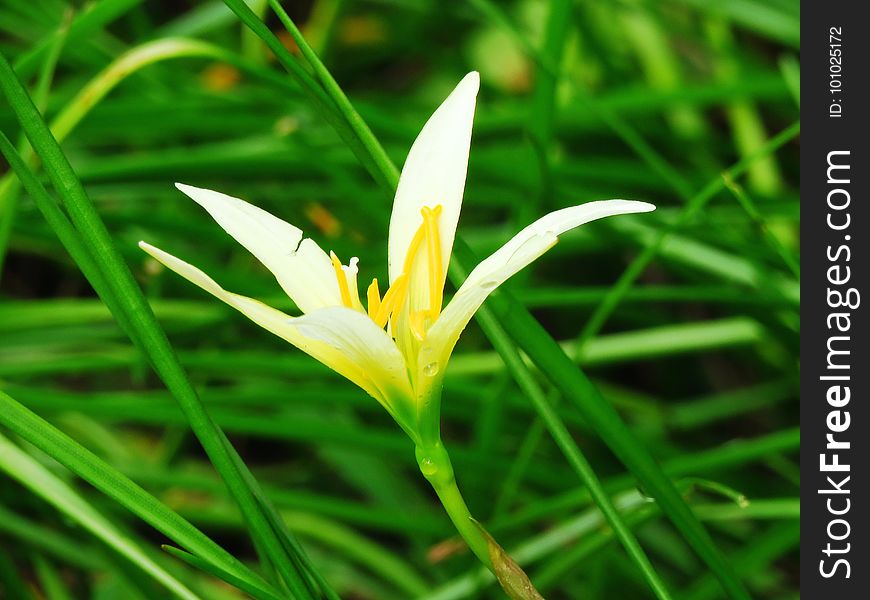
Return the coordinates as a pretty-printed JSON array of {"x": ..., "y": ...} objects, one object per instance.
[
  {"x": 434, "y": 173},
  {"x": 344, "y": 340},
  {"x": 522, "y": 249},
  {"x": 301, "y": 267},
  {"x": 370, "y": 348}
]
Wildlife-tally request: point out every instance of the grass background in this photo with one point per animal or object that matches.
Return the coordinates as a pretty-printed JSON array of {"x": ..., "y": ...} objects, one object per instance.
[{"x": 696, "y": 345}]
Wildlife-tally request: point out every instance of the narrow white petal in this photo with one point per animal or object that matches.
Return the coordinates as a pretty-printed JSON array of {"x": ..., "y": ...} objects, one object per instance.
[
  {"x": 344, "y": 340},
  {"x": 522, "y": 249},
  {"x": 434, "y": 173},
  {"x": 301, "y": 267}
]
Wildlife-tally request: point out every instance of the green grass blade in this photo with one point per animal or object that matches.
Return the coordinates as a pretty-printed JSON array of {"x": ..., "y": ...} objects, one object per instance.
[
  {"x": 149, "y": 333},
  {"x": 748, "y": 205},
  {"x": 322, "y": 102},
  {"x": 119, "y": 488},
  {"x": 47, "y": 541},
  {"x": 98, "y": 15},
  {"x": 367, "y": 552},
  {"x": 9, "y": 193},
  {"x": 311, "y": 578},
  {"x": 256, "y": 592},
  {"x": 384, "y": 171},
  {"x": 757, "y": 559},
  {"x": 692, "y": 207},
  {"x": 563, "y": 439},
  {"x": 603, "y": 418},
  {"x": 64, "y": 230},
  {"x": 495, "y": 13},
  {"x": 24, "y": 468},
  {"x": 11, "y": 584},
  {"x": 776, "y": 20},
  {"x": 50, "y": 580}
]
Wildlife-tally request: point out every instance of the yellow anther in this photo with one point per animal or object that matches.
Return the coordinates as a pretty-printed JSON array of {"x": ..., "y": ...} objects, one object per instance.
[
  {"x": 342, "y": 281},
  {"x": 393, "y": 300},
  {"x": 433, "y": 246},
  {"x": 374, "y": 299}
]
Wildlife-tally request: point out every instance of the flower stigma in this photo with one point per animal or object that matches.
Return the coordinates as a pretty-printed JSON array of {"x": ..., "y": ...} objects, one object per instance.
[{"x": 341, "y": 277}]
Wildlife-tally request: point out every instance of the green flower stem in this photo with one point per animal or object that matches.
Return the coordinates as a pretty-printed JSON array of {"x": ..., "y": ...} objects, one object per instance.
[
  {"x": 434, "y": 463},
  {"x": 436, "y": 467}
]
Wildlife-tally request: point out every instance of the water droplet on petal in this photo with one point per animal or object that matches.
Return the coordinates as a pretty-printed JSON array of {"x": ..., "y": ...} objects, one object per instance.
[
  {"x": 431, "y": 369},
  {"x": 489, "y": 284}
]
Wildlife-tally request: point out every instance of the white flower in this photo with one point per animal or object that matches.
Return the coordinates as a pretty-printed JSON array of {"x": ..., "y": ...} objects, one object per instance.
[{"x": 395, "y": 346}]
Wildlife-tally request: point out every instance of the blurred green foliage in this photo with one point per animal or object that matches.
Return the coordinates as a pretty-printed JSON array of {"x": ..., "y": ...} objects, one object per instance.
[{"x": 696, "y": 347}]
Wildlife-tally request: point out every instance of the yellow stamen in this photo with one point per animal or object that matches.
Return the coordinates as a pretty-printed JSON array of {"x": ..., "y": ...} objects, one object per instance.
[
  {"x": 374, "y": 298},
  {"x": 393, "y": 300},
  {"x": 412, "y": 249},
  {"x": 342, "y": 280},
  {"x": 388, "y": 308},
  {"x": 433, "y": 245}
]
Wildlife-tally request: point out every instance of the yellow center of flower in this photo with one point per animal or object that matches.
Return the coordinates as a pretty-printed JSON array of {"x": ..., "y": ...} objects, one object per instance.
[{"x": 381, "y": 310}]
